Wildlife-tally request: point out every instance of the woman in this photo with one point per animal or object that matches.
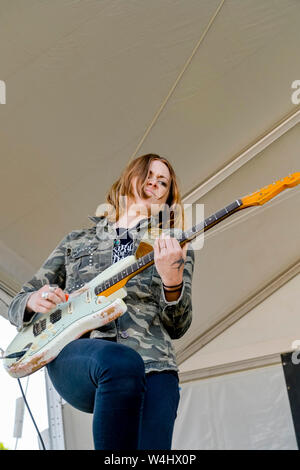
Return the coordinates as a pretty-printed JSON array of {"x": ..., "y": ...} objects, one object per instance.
[{"x": 125, "y": 372}]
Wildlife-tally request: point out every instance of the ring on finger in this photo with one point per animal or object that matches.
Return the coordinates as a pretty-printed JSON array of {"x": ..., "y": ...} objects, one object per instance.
[{"x": 45, "y": 295}]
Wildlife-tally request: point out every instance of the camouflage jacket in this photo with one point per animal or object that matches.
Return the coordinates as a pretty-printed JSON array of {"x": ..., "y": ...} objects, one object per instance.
[{"x": 150, "y": 322}]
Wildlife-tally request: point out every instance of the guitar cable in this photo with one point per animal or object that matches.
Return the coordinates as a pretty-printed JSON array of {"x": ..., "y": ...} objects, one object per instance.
[
  {"x": 25, "y": 392},
  {"x": 24, "y": 397},
  {"x": 16, "y": 355},
  {"x": 31, "y": 416}
]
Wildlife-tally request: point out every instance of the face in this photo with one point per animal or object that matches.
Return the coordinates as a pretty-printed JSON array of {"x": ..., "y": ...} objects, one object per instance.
[{"x": 156, "y": 187}]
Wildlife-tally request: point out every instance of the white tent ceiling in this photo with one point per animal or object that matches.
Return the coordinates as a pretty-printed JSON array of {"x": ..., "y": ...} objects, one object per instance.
[{"x": 206, "y": 83}]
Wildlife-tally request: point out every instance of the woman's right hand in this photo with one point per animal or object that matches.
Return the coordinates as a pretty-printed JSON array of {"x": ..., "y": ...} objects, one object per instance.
[{"x": 38, "y": 303}]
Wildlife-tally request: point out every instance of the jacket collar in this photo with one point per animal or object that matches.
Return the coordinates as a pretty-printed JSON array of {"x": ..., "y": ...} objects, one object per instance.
[
  {"x": 103, "y": 221},
  {"x": 105, "y": 229},
  {"x": 97, "y": 220}
]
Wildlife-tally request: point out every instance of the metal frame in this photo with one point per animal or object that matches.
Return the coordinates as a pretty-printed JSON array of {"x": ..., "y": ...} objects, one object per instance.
[
  {"x": 229, "y": 368},
  {"x": 243, "y": 157},
  {"x": 55, "y": 416},
  {"x": 186, "y": 351}
]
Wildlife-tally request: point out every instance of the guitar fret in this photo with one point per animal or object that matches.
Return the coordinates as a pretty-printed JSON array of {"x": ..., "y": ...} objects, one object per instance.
[
  {"x": 197, "y": 229},
  {"x": 221, "y": 213}
]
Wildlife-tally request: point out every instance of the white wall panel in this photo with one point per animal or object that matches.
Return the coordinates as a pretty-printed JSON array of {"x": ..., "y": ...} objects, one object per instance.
[{"x": 243, "y": 410}]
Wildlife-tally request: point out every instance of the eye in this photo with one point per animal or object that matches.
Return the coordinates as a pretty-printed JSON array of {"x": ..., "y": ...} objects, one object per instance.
[{"x": 163, "y": 183}]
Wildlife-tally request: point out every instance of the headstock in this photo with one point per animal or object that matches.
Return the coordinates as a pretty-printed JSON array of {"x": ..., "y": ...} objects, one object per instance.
[{"x": 268, "y": 192}]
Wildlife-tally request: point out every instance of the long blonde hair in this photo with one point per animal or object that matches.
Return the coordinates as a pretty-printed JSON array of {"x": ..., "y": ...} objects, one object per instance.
[{"x": 139, "y": 168}]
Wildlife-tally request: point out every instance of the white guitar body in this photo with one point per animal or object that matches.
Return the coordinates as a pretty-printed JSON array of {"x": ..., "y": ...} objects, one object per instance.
[{"x": 42, "y": 340}]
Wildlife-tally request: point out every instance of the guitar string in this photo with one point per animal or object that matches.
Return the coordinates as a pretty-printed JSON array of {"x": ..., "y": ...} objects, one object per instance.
[
  {"x": 249, "y": 214},
  {"x": 134, "y": 267},
  {"x": 280, "y": 198}
]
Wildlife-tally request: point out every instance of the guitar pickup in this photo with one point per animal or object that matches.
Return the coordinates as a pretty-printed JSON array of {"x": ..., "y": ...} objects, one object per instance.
[
  {"x": 55, "y": 316},
  {"x": 39, "y": 326}
]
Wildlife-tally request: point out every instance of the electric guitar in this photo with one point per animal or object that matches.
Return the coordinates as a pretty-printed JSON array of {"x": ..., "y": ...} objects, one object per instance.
[{"x": 100, "y": 301}]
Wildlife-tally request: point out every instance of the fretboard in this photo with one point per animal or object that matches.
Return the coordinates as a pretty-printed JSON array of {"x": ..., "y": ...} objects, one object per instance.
[{"x": 148, "y": 259}]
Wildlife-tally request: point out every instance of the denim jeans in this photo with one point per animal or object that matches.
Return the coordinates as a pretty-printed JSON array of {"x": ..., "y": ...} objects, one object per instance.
[{"x": 131, "y": 410}]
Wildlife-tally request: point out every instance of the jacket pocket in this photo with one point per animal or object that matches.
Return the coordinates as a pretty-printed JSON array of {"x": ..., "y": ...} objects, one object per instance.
[
  {"x": 81, "y": 256},
  {"x": 80, "y": 265}
]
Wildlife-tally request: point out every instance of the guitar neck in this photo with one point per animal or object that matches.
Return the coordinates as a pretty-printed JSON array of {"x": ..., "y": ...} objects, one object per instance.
[
  {"x": 148, "y": 259},
  {"x": 211, "y": 221}
]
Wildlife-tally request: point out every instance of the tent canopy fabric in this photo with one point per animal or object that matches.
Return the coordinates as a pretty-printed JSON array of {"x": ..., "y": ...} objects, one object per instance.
[{"x": 207, "y": 84}]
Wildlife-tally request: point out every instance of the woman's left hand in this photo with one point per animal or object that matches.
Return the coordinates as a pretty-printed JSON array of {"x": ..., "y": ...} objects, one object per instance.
[{"x": 169, "y": 259}]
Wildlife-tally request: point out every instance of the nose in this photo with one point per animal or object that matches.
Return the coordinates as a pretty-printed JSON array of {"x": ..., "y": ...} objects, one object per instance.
[{"x": 152, "y": 180}]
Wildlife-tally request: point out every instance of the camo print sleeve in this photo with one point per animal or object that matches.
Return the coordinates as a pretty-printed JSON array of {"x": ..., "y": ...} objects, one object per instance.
[
  {"x": 176, "y": 316},
  {"x": 51, "y": 272}
]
